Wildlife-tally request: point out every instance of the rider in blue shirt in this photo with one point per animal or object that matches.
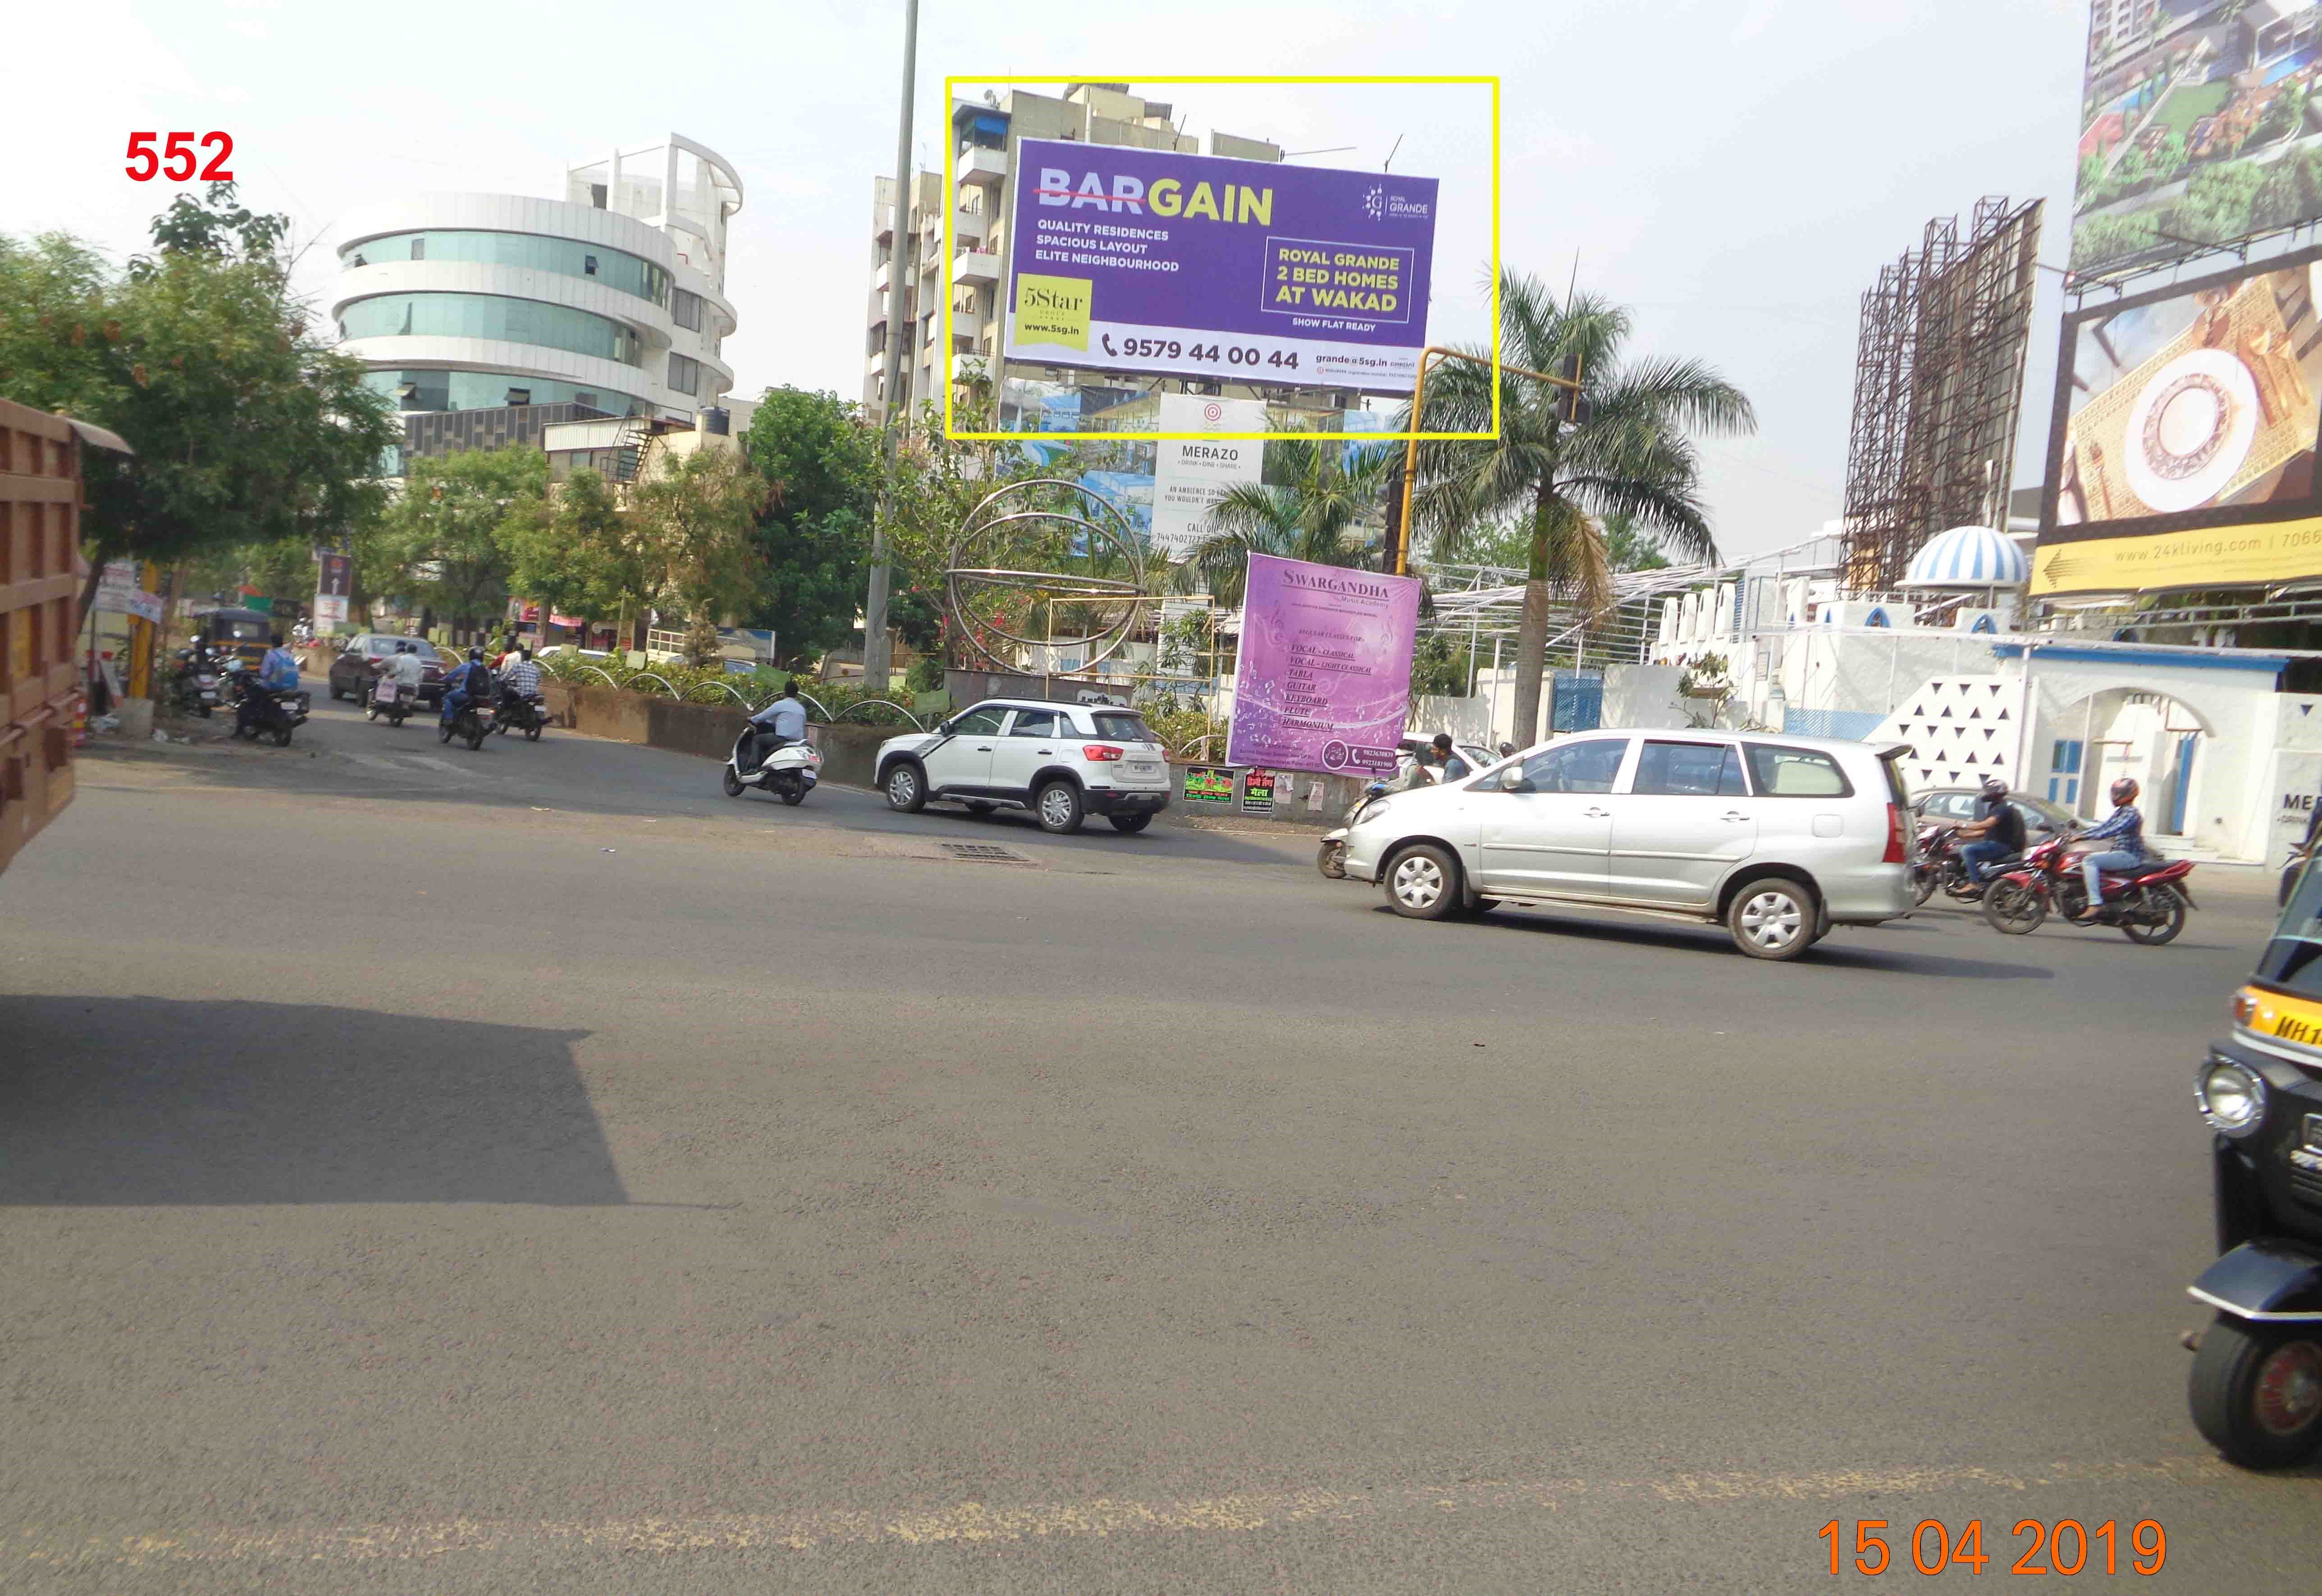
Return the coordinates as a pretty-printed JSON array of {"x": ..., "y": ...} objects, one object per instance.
[
  {"x": 780, "y": 723},
  {"x": 279, "y": 668},
  {"x": 472, "y": 680},
  {"x": 2125, "y": 828}
]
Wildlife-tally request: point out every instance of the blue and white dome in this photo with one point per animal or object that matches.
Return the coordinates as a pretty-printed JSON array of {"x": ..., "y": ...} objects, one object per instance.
[{"x": 1969, "y": 557}]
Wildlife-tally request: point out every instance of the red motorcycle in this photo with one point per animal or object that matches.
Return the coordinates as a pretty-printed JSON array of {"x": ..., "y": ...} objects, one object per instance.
[{"x": 2147, "y": 902}]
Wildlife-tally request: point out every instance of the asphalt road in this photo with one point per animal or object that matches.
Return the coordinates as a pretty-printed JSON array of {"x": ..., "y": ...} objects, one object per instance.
[{"x": 530, "y": 1170}]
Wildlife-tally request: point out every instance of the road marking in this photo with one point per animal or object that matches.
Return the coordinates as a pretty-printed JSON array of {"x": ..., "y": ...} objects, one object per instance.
[{"x": 1100, "y": 1517}]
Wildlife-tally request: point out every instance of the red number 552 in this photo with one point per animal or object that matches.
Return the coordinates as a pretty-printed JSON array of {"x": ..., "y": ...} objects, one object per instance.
[{"x": 176, "y": 160}]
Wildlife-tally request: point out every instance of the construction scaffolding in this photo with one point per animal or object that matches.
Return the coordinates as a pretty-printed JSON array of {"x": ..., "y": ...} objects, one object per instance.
[{"x": 1938, "y": 386}]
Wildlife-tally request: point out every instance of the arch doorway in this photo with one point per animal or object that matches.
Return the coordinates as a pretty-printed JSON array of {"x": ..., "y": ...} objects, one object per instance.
[{"x": 2158, "y": 740}]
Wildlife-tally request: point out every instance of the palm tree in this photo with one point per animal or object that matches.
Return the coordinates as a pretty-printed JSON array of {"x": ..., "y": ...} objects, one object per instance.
[
  {"x": 1313, "y": 511},
  {"x": 1632, "y": 459}
]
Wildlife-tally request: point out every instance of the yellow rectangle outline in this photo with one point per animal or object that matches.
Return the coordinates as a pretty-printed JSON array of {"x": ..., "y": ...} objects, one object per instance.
[{"x": 951, "y": 200}]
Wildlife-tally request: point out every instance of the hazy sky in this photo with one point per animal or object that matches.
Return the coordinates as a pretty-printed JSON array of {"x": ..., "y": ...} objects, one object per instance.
[{"x": 1735, "y": 171}]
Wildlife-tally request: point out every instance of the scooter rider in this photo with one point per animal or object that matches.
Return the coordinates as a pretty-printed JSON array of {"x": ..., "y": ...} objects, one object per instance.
[
  {"x": 2125, "y": 827},
  {"x": 408, "y": 668},
  {"x": 780, "y": 722},
  {"x": 473, "y": 681},
  {"x": 1997, "y": 828}
]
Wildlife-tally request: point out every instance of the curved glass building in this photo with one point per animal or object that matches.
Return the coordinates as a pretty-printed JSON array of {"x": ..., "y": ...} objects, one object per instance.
[{"x": 612, "y": 297}]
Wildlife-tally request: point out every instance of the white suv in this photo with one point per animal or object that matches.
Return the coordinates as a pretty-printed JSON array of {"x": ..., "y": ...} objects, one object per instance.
[
  {"x": 1779, "y": 838},
  {"x": 1063, "y": 762}
]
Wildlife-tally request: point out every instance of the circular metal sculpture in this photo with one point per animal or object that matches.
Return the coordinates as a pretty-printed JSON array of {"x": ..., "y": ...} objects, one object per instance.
[{"x": 1046, "y": 551}]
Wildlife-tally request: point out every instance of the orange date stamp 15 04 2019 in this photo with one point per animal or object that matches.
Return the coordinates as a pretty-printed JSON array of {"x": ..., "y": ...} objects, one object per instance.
[{"x": 2066, "y": 1546}]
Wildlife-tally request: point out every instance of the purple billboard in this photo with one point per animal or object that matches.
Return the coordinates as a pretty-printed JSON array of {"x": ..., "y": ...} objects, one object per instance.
[
  {"x": 1325, "y": 675},
  {"x": 1202, "y": 266}
]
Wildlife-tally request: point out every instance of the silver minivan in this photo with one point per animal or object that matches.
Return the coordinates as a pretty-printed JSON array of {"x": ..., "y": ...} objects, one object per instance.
[{"x": 1777, "y": 838}]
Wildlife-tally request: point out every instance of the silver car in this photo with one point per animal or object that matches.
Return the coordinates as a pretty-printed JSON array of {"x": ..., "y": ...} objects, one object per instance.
[{"x": 1777, "y": 838}]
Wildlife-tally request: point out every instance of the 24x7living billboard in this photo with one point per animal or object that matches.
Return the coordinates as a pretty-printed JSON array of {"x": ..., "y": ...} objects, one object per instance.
[{"x": 1204, "y": 266}]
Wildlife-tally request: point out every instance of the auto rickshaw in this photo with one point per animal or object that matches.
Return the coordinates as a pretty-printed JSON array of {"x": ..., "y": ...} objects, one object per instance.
[
  {"x": 243, "y": 634},
  {"x": 2256, "y": 1388}
]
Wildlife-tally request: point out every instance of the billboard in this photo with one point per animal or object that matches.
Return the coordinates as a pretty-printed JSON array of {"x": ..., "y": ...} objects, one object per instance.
[
  {"x": 1324, "y": 678},
  {"x": 1190, "y": 475},
  {"x": 2181, "y": 451},
  {"x": 1203, "y": 266},
  {"x": 2195, "y": 122}
]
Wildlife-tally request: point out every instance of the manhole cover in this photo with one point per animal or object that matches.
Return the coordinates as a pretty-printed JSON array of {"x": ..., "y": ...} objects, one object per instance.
[{"x": 984, "y": 850}]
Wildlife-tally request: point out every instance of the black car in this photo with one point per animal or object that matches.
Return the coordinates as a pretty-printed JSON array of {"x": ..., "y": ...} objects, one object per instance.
[{"x": 358, "y": 665}]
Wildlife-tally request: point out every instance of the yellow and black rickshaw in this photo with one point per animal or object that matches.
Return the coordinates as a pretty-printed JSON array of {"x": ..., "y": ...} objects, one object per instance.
[
  {"x": 242, "y": 634},
  {"x": 2256, "y": 1388}
]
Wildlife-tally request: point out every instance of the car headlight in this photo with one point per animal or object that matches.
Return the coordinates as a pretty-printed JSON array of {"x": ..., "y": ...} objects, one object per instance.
[
  {"x": 1372, "y": 808},
  {"x": 2232, "y": 1097}
]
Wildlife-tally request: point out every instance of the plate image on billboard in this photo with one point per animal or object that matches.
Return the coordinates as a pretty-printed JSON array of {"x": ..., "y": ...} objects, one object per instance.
[
  {"x": 2197, "y": 126},
  {"x": 1210, "y": 266},
  {"x": 2182, "y": 446}
]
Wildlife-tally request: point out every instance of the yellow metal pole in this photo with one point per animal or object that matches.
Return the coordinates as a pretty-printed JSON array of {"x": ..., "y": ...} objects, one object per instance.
[{"x": 1402, "y": 566}]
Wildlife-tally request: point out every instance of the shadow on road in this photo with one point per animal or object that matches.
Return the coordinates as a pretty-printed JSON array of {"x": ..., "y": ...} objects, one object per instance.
[
  {"x": 1710, "y": 940},
  {"x": 150, "y": 1101}
]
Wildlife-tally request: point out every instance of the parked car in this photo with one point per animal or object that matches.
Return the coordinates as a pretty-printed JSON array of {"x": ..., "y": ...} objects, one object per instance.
[
  {"x": 1062, "y": 762},
  {"x": 1777, "y": 838},
  {"x": 359, "y": 661},
  {"x": 1956, "y": 807}
]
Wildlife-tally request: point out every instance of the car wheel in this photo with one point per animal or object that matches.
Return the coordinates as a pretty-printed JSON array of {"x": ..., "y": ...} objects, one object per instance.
[
  {"x": 1130, "y": 825},
  {"x": 1422, "y": 883},
  {"x": 980, "y": 810},
  {"x": 1773, "y": 917},
  {"x": 1058, "y": 806},
  {"x": 2012, "y": 907},
  {"x": 906, "y": 787},
  {"x": 2256, "y": 1392},
  {"x": 733, "y": 784}
]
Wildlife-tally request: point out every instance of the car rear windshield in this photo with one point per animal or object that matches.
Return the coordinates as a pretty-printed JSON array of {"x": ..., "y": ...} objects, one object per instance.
[
  {"x": 1796, "y": 773},
  {"x": 1120, "y": 727}
]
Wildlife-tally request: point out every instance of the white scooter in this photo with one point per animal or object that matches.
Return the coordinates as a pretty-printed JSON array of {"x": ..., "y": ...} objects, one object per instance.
[
  {"x": 1331, "y": 858},
  {"x": 789, "y": 772}
]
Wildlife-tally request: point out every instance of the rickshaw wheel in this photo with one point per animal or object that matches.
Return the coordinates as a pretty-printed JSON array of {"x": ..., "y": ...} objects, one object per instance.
[{"x": 2256, "y": 1392}]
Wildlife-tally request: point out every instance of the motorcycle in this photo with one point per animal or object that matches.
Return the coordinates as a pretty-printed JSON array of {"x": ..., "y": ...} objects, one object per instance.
[
  {"x": 1332, "y": 859},
  {"x": 264, "y": 710},
  {"x": 525, "y": 712},
  {"x": 473, "y": 722},
  {"x": 2147, "y": 902},
  {"x": 392, "y": 699},
  {"x": 789, "y": 772},
  {"x": 194, "y": 686}
]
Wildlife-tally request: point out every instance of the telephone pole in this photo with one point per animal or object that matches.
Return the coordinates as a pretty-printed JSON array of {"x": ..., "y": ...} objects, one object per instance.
[{"x": 901, "y": 272}]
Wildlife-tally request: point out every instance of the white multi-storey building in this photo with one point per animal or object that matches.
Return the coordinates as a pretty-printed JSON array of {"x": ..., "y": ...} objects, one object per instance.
[{"x": 611, "y": 299}]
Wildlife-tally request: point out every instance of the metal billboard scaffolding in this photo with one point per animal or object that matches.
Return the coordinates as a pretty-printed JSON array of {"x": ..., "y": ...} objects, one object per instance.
[{"x": 1938, "y": 385}]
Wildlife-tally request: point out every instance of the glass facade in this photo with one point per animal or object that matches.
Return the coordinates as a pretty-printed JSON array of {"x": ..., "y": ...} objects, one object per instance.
[
  {"x": 565, "y": 256},
  {"x": 492, "y": 315},
  {"x": 685, "y": 309},
  {"x": 486, "y": 390},
  {"x": 685, "y": 374}
]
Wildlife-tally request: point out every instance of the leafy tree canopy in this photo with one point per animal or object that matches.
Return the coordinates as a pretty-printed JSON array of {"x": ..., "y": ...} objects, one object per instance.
[{"x": 821, "y": 465}]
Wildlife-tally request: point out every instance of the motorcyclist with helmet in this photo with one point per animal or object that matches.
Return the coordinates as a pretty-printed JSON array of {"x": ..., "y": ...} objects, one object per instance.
[
  {"x": 2125, "y": 826},
  {"x": 1997, "y": 830},
  {"x": 471, "y": 682}
]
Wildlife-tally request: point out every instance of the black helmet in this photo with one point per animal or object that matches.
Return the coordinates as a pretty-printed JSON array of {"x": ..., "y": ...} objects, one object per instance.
[
  {"x": 476, "y": 654},
  {"x": 2125, "y": 790},
  {"x": 1993, "y": 787}
]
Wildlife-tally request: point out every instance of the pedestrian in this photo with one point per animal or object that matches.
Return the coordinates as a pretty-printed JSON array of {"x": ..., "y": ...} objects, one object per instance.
[{"x": 1449, "y": 765}]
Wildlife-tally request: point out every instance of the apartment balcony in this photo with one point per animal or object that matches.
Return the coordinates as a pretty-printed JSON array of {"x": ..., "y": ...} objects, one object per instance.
[
  {"x": 984, "y": 168},
  {"x": 880, "y": 275},
  {"x": 975, "y": 266},
  {"x": 968, "y": 226}
]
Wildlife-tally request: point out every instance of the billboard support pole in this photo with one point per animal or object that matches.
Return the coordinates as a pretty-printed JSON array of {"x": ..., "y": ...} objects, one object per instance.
[{"x": 1401, "y": 564}]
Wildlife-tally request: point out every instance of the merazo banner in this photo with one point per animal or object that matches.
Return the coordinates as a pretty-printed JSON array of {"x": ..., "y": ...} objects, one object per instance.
[
  {"x": 1128, "y": 260},
  {"x": 1324, "y": 678}
]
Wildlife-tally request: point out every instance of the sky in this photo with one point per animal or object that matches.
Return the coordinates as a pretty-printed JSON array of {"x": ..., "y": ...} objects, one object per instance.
[{"x": 1735, "y": 171}]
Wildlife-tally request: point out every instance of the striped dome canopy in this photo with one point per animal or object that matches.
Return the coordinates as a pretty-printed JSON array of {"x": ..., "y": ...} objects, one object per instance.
[{"x": 1968, "y": 556}]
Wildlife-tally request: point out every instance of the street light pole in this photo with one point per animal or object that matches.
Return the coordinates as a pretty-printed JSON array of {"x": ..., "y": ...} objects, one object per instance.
[{"x": 876, "y": 668}]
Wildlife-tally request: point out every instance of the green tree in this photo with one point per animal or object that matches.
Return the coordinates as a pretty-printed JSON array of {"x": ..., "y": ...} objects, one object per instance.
[
  {"x": 444, "y": 534},
  {"x": 696, "y": 522},
  {"x": 1632, "y": 457},
  {"x": 572, "y": 553},
  {"x": 246, "y": 427},
  {"x": 1314, "y": 508},
  {"x": 2217, "y": 203},
  {"x": 821, "y": 465},
  {"x": 1629, "y": 546}
]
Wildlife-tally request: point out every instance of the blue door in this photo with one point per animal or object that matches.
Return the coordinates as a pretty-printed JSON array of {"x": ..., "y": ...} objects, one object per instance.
[
  {"x": 2181, "y": 784},
  {"x": 1577, "y": 702}
]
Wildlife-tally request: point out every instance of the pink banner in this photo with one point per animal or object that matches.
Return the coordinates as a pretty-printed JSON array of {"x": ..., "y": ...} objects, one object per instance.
[{"x": 1324, "y": 680}]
